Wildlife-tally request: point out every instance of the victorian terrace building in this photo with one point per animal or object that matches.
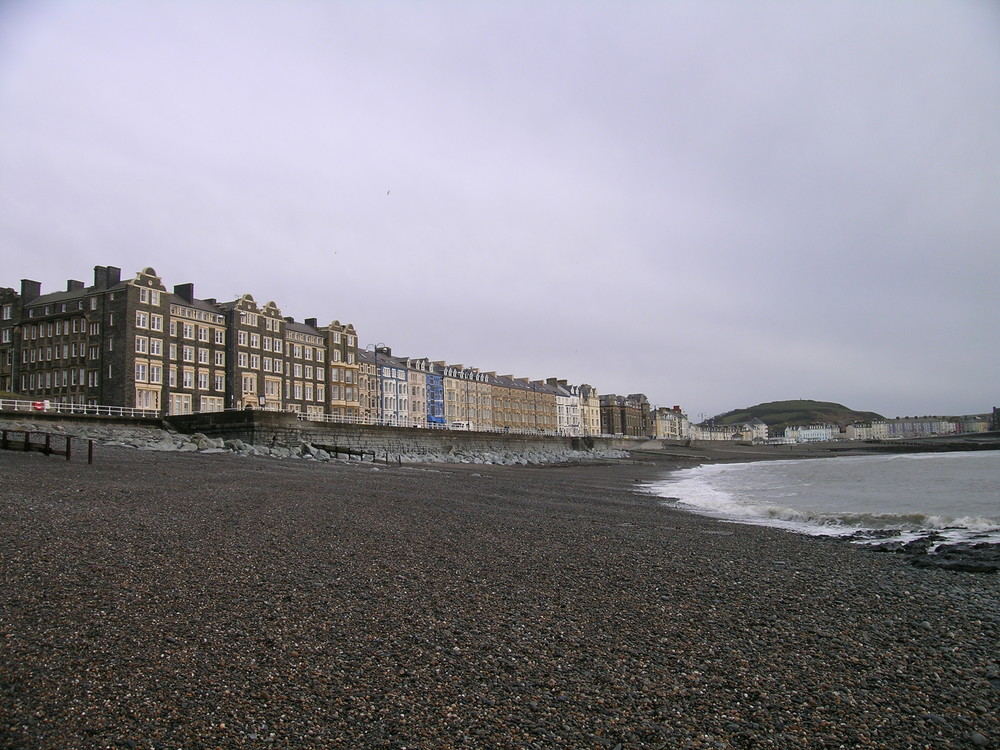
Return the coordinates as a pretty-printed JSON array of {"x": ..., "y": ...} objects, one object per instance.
[{"x": 134, "y": 344}]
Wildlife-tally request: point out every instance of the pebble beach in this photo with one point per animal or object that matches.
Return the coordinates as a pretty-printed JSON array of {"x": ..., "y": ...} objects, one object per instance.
[{"x": 188, "y": 600}]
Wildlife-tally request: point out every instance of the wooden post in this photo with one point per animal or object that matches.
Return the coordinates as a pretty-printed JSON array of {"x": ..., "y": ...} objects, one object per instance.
[
  {"x": 27, "y": 440},
  {"x": 47, "y": 450},
  {"x": 90, "y": 452},
  {"x": 5, "y": 439},
  {"x": 69, "y": 450}
]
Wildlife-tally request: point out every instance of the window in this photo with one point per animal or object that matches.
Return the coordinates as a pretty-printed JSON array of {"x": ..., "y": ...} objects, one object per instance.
[
  {"x": 187, "y": 331},
  {"x": 309, "y": 371},
  {"x": 173, "y": 327},
  {"x": 155, "y": 374},
  {"x": 202, "y": 356},
  {"x": 320, "y": 355},
  {"x": 141, "y": 373},
  {"x": 203, "y": 381},
  {"x": 141, "y": 345},
  {"x": 172, "y": 351},
  {"x": 241, "y": 358},
  {"x": 188, "y": 378},
  {"x": 308, "y": 353},
  {"x": 278, "y": 346},
  {"x": 241, "y": 338},
  {"x": 255, "y": 340},
  {"x": 350, "y": 358},
  {"x": 156, "y": 347},
  {"x": 220, "y": 336},
  {"x": 172, "y": 377},
  {"x": 267, "y": 343},
  {"x": 220, "y": 383},
  {"x": 297, "y": 370},
  {"x": 189, "y": 354},
  {"x": 154, "y": 298},
  {"x": 144, "y": 295},
  {"x": 254, "y": 361},
  {"x": 202, "y": 333},
  {"x": 220, "y": 359},
  {"x": 337, "y": 355},
  {"x": 7, "y": 312}
]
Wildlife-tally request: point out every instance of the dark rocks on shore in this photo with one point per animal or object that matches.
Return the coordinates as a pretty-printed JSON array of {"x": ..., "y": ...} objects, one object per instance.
[{"x": 929, "y": 552}]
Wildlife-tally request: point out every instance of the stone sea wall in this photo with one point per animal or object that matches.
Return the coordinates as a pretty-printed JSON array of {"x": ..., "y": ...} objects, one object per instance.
[{"x": 281, "y": 435}]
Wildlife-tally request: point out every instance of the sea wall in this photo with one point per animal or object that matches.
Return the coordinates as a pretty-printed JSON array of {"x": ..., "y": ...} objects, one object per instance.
[
  {"x": 283, "y": 435},
  {"x": 280, "y": 428}
]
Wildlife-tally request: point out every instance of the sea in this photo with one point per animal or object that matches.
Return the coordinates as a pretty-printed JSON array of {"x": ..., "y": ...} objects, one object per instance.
[{"x": 872, "y": 499}]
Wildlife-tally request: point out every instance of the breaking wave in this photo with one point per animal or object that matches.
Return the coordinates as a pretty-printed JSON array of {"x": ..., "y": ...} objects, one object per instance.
[{"x": 956, "y": 495}]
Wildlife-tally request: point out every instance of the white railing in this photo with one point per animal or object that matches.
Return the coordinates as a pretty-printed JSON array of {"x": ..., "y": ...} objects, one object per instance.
[
  {"x": 52, "y": 407},
  {"x": 43, "y": 406}
]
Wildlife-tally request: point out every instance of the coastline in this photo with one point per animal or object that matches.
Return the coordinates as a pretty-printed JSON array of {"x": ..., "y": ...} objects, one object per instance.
[
  {"x": 168, "y": 600},
  {"x": 927, "y": 548}
]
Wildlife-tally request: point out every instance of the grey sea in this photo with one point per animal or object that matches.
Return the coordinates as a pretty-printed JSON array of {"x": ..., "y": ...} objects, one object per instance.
[{"x": 956, "y": 495}]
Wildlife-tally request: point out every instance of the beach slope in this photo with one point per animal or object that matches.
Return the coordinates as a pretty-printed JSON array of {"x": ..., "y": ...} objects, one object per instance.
[{"x": 184, "y": 600}]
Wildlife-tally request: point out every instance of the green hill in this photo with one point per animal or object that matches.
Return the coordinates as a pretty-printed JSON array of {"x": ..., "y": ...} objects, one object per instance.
[{"x": 778, "y": 415}]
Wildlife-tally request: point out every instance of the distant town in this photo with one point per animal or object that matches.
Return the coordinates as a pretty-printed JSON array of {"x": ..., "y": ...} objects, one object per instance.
[{"x": 133, "y": 347}]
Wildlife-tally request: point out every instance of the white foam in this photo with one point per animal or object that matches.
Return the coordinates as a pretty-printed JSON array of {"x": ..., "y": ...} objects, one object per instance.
[{"x": 842, "y": 497}]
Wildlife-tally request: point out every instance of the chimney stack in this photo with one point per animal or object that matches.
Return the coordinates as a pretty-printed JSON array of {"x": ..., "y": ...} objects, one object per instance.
[
  {"x": 30, "y": 290},
  {"x": 185, "y": 292}
]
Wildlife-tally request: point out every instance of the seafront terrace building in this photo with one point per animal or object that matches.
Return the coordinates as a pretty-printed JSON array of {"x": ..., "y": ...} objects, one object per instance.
[
  {"x": 134, "y": 344},
  {"x": 626, "y": 415},
  {"x": 590, "y": 410},
  {"x": 670, "y": 424}
]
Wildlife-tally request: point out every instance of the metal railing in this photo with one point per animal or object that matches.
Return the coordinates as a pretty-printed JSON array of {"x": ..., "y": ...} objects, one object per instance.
[{"x": 54, "y": 407}]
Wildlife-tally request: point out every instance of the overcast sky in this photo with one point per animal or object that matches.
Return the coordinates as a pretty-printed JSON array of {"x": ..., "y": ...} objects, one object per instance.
[{"x": 714, "y": 203}]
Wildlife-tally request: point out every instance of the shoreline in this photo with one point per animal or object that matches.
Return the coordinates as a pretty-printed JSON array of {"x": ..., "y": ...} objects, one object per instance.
[
  {"x": 165, "y": 600},
  {"x": 925, "y": 548}
]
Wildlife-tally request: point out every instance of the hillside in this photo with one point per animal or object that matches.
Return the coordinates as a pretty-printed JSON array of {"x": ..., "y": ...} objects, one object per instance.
[{"x": 778, "y": 415}]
